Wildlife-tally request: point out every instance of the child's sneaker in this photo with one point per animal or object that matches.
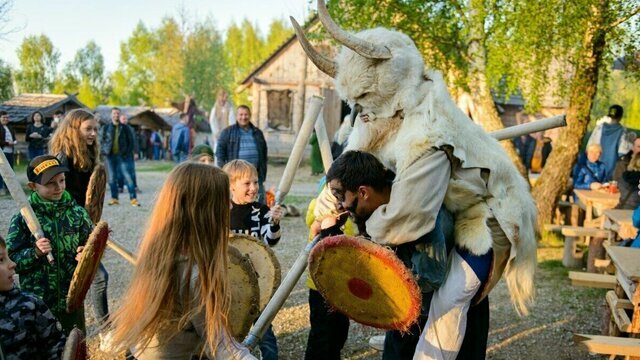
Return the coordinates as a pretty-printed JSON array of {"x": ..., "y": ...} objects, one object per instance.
[
  {"x": 134, "y": 202},
  {"x": 114, "y": 202}
]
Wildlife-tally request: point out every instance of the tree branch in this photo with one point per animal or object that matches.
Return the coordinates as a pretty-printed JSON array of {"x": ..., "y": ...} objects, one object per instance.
[{"x": 624, "y": 18}]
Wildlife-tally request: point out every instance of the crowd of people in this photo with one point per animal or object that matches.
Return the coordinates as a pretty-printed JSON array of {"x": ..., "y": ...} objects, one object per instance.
[{"x": 180, "y": 287}]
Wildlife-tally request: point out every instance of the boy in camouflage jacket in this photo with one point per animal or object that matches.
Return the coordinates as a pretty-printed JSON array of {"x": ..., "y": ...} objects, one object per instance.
[
  {"x": 28, "y": 330},
  {"x": 66, "y": 227}
]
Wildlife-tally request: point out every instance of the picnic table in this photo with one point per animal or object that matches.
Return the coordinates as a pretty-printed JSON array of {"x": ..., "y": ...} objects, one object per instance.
[
  {"x": 619, "y": 221},
  {"x": 623, "y": 302},
  {"x": 596, "y": 200}
]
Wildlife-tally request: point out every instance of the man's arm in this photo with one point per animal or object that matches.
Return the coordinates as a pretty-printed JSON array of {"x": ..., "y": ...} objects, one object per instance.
[
  {"x": 416, "y": 197},
  {"x": 221, "y": 149}
]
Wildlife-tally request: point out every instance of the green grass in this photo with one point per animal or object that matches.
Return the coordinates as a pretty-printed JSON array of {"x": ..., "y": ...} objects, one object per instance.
[
  {"x": 155, "y": 166},
  {"x": 297, "y": 200},
  {"x": 550, "y": 239}
]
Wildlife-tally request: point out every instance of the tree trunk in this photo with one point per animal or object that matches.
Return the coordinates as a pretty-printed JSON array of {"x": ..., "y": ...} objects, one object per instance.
[
  {"x": 555, "y": 175},
  {"x": 485, "y": 112}
]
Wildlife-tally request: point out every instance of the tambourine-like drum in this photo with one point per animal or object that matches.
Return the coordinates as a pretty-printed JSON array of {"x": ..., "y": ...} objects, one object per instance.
[
  {"x": 264, "y": 262},
  {"x": 94, "y": 200},
  {"x": 87, "y": 266},
  {"x": 366, "y": 282},
  {"x": 245, "y": 293}
]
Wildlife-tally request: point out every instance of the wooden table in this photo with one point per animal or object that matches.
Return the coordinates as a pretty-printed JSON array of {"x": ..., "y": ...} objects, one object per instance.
[
  {"x": 624, "y": 300},
  {"x": 620, "y": 221},
  {"x": 598, "y": 200},
  {"x": 627, "y": 293}
]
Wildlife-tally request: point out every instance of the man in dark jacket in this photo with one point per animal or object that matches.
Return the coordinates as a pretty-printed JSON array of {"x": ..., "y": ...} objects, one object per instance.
[
  {"x": 7, "y": 143},
  {"x": 525, "y": 146},
  {"x": 244, "y": 141},
  {"x": 116, "y": 141}
]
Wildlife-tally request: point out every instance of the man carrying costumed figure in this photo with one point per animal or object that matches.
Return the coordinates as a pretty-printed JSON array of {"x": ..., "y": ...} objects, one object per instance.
[{"x": 410, "y": 123}]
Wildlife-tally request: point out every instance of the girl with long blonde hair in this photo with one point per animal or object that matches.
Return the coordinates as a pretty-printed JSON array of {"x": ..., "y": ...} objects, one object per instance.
[
  {"x": 177, "y": 303},
  {"x": 75, "y": 144}
]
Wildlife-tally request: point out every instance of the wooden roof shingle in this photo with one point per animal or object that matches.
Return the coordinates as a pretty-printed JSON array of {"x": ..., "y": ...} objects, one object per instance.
[{"x": 22, "y": 106}]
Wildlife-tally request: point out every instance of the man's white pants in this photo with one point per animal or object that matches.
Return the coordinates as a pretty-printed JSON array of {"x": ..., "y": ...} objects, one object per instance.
[{"x": 444, "y": 331}]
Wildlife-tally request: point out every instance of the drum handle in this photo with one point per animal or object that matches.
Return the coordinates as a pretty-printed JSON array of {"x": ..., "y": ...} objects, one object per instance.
[{"x": 280, "y": 296}]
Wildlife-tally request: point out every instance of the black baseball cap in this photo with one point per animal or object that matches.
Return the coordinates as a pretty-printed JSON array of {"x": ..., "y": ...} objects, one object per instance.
[{"x": 44, "y": 167}]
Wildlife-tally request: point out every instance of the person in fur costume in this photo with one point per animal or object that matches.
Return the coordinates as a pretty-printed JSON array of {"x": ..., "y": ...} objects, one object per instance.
[{"x": 411, "y": 124}]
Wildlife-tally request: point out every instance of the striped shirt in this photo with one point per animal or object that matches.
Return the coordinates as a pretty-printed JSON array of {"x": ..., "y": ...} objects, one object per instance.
[{"x": 248, "y": 148}]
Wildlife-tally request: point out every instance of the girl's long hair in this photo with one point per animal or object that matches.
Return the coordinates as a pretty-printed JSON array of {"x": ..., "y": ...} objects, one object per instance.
[
  {"x": 190, "y": 220},
  {"x": 68, "y": 140}
]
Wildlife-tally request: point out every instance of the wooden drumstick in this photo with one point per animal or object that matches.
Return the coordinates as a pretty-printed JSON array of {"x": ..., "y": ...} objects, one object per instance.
[{"x": 20, "y": 198}]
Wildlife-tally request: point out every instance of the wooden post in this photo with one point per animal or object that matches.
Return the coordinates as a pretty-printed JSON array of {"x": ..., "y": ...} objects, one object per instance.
[
  {"x": 571, "y": 258},
  {"x": 596, "y": 251}
]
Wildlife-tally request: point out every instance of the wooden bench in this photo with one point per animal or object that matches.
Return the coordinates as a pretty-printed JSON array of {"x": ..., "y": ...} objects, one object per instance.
[
  {"x": 584, "y": 279},
  {"x": 572, "y": 256},
  {"x": 609, "y": 345}
]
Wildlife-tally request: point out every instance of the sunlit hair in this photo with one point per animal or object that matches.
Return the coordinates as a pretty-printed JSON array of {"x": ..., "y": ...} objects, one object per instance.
[
  {"x": 68, "y": 140},
  {"x": 239, "y": 169},
  {"x": 594, "y": 147},
  {"x": 634, "y": 163},
  {"x": 190, "y": 220}
]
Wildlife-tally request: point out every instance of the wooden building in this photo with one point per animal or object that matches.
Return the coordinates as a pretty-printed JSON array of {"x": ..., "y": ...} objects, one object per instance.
[
  {"x": 139, "y": 116},
  {"x": 280, "y": 87},
  {"x": 21, "y": 107}
]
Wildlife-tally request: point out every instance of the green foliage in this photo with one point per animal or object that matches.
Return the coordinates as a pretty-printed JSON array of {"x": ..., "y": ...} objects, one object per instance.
[
  {"x": 279, "y": 32},
  {"x": 167, "y": 64},
  {"x": 131, "y": 80},
  {"x": 620, "y": 89},
  {"x": 38, "y": 62},
  {"x": 6, "y": 81},
  {"x": 205, "y": 68},
  {"x": 245, "y": 49},
  {"x": 84, "y": 75},
  {"x": 161, "y": 65}
]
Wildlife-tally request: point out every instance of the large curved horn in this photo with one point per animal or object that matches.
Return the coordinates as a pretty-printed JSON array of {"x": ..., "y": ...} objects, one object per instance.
[
  {"x": 326, "y": 65},
  {"x": 362, "y": 47}
]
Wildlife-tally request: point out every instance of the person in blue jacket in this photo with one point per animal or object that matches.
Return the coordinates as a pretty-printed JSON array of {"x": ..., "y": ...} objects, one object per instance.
[{"x": 592, "y": 174}]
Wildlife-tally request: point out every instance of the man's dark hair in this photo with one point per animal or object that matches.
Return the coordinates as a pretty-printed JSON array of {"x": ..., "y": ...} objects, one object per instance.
[
  {"x": 116, "y": 108},
  {"x": 3, "y": 113},
  {"x": 183, "y": 115},
  {"x": 244, "y": 107},
  {"x": 58, "y": 112},
  {"x": 357, "y": 168},
  {"x": 615, "y": 112}
]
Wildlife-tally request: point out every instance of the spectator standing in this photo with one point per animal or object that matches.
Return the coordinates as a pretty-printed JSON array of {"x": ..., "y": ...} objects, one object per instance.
[
  {"x": 221, "y": 115},
  {"x": 525, "y": 146},
  {"x": 37, "y": 135},
  {"x": 610, "y": 135},
  {"x": 58, "y": 116},
  {"x": 627, "y": 174},
  {"x": 116, "y": 141},
  {"x": 130, "y": 157},
  {"x": 156, "y": 144},
  {"x": 244, "y": 141},
  {"x": 179, "y": 141},
  {"x": 7, "y": 143}
]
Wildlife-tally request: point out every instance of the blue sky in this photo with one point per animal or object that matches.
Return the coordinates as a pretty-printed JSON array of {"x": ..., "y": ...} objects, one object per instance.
[{"x": 70, "y": 24}]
